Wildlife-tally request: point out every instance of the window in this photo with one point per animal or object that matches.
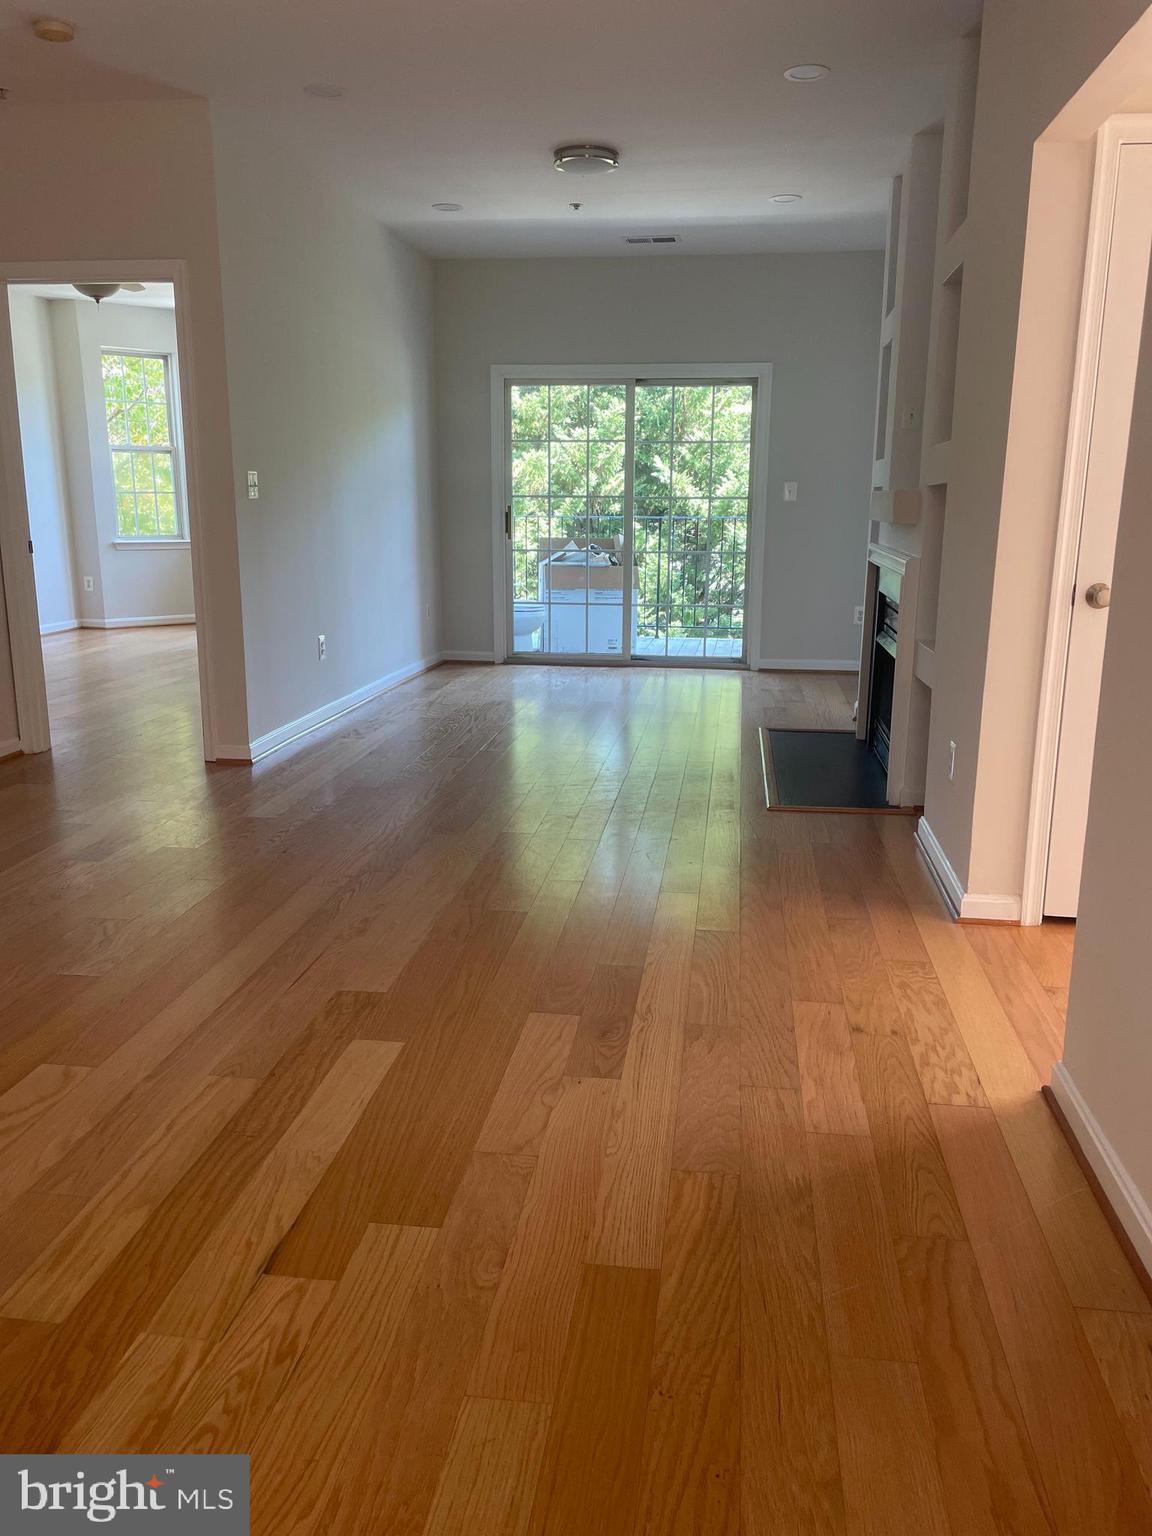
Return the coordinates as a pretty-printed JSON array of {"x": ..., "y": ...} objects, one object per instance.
[{"x": 139, "y": 408}]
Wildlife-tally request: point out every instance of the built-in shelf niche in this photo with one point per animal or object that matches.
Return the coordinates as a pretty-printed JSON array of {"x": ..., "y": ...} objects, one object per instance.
[{"x": 946, "y": 338}]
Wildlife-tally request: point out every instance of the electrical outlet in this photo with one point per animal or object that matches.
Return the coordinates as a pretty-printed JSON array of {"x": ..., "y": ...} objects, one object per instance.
[
  {"x": 321, "y": 646},
  {"x": 791, "y": 490},
  {"x": 89, "y": 584},
  {"x": 253, "y": 485},
  {"x": 951, "y": 759},
  {"x": 858, "y": 614}
]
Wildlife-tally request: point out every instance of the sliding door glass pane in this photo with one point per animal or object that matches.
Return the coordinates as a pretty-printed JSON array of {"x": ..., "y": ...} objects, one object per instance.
[
  {"x": 692, "y": 459},
  {"x": 568, "y": 481}
]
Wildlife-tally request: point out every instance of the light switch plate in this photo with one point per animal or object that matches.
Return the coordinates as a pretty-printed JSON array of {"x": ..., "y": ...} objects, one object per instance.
[{"x": 791, "y": 490}]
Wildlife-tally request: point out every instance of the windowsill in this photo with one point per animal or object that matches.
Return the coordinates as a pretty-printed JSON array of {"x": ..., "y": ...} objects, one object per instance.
[{"x": 151, "y": 544}]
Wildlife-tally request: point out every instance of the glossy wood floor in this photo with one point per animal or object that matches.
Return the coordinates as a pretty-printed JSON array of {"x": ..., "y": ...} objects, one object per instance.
[{"x": 492, "y": 1119}]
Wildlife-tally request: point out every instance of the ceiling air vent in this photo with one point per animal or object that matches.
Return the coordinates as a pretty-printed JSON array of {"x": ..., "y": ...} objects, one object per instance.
[{"x": 651, "y": 239}]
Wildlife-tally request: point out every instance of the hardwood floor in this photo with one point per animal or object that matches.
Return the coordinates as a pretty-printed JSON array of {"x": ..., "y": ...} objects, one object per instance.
[{"x": 490, "y": 1118}]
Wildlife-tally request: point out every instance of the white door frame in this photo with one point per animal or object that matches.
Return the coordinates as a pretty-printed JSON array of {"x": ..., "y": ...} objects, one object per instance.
[
  {"x": 18, "y": 574},
  {"x": 1127, "y": 128},
  {"x": 760, "y": 373}
]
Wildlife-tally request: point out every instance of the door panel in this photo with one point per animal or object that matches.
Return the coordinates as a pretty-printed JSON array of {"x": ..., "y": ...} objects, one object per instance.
[{"x": 1128, "y": 262}]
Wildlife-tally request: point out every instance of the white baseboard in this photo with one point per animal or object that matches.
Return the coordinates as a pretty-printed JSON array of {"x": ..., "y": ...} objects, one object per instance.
[
  {"x": 1119, "y": 1189},
  {"x": 10, "y": 748},
  {"x": 808, "y": 666},
  {"x": 139, "y": 623},
  {"x": 467, "y": 656},
  {"x": 971, "y": 905},
  {"x": 272, "y": 741},
  {"x": 59, "y": 627}
]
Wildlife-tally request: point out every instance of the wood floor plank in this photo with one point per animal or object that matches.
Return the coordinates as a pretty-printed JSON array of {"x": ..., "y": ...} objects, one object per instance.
[
  {"x": 690, "y": 1477},
  {"x": 306, "y": 1430},
  {"x": 215, "y": 1284},
  {"x": 531, "y": 1085},
  {"x": 829, "y": 1087},
  {"x": 767, "y": 1039},
  {"x": 385, "y": 1477},
  {"x": 24, "y": 1103},
  {"x": 629, "y": 1225},
  {"x": 811, "y": 972},
  {"x": 861, "y": 1284},
  {"x": 987, "y": 1467},
  {"x": 708, "y": 1113},
  {"x": 589, "y": 1476},
  {"x": 1061, "y": 1394},
  {"x": 68, "y": 1268},
  {"x": 942, "y": 1060},
  {"x": 489, "y": 1477},
  {"x": 1122, "y": 1345},
  {"x": 790, "y": 1465},
  {"x": 891, "y": 1480},
  {"x": 917, "y": 1189},
  {"x": 131, "y": 1411},
  {"x": 601, "y": 1041},
  {"x": 230, "y": 1395},
  {"x": 523, "y": 1347}
]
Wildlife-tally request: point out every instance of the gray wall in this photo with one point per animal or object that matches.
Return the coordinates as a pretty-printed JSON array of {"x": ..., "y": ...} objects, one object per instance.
[
  {"x": 45, "y": 472},
  {"x": 329, "y": 342},
  {"x": 1108, "y": 1048},
  {"x": 815, "y": 318}
]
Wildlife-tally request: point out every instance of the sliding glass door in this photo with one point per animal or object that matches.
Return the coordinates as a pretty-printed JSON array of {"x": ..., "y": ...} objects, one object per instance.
[{"x": 628, "y": 518}]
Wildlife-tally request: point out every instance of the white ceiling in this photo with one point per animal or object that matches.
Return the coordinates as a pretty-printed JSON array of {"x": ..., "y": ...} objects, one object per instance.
[
  {"x": 463, "y": 101},
  {"x": 154, "y": 296}
]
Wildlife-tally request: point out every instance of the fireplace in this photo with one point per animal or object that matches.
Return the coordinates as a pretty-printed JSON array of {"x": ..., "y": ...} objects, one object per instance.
[{"x": 883, "y": 671}]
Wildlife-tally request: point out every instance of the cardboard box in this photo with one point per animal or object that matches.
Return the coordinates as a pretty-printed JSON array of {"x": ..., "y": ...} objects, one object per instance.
[{"x": 568, "y": 580}]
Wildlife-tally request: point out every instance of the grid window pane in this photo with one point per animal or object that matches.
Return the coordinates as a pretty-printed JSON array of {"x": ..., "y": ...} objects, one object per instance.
[{"x": 138, "y": 415}]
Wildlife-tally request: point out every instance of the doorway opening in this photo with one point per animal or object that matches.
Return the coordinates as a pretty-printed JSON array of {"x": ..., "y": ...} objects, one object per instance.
[
  {"x": 98, "y": 516},
  {"x": 632, "y": 507}
]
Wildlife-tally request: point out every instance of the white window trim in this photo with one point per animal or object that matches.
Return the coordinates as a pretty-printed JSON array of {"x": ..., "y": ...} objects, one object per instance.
[{"x": 153, "y": 540}]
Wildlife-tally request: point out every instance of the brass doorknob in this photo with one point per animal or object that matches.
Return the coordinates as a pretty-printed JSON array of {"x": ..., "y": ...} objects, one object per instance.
[{"x": 1098, "y": 595}]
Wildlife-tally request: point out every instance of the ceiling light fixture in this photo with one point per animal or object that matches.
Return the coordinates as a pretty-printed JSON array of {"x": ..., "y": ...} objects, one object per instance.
[
  {"x": 788, "y": 197},
  {"x": 324, "y": 91},
  {"x": 98, "y": 291},
  {"x": 448, "y": 207},
  {"x": 585, "y": 159},
  {"x": 803, "y": 73},
  {"x": 50, "y": 30}
]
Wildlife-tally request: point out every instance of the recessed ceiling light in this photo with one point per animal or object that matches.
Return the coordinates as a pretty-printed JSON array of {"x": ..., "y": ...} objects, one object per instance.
[
  {"x": 50, "y": 30},
  {"x": 448, "y": 207},
  {"x": 585, "y": 159},
  {"x": 325, "y": 91},
  {"x": 788, "y": 197},
  {"x": 805, "y": 72}
]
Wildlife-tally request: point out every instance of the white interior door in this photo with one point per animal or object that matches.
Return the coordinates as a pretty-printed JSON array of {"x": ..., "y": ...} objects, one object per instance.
[{"x": 1126, "y": 284}]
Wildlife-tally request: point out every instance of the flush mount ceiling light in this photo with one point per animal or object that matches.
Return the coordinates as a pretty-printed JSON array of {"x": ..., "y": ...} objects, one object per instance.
[
  {"x": 50, "y": 30},
  {"x": 803, "y": 73},
  {"x": 448, "y": 207},
  {"x": 98, "y": 291},
  {"x": 324, "y": 91},
  {"x": 585, "y": 159},
  {"x": 788, "y": 197}
]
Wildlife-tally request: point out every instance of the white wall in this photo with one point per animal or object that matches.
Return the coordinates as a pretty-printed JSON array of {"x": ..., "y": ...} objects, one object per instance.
[
  {"x": 1107, "y": 1067},
  {"x": 329, "y": 356},
  {"x": 45, "y": 472},
  {"x": 1023, "y": 272},
  {"x": 82, "y": 213},
  {"x": 814, "y": 318}
]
